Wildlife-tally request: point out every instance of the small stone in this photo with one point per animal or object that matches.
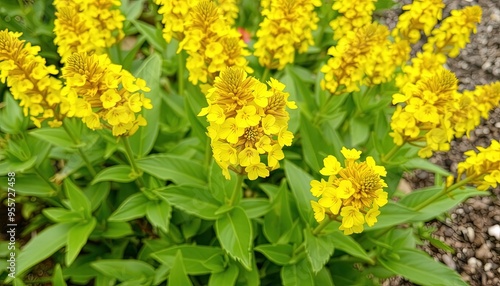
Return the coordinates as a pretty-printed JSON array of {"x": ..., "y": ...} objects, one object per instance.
[
  {"x": 497, "y": 125},
  {"x": 470, "y": 233},
  {"x": 449, "y": 261},
  {"x": 488, "y": 266},
  {"x": 494, "y": 231},
  {"x": 472, "y": 262},
  {"x": 484, "y": 252}
]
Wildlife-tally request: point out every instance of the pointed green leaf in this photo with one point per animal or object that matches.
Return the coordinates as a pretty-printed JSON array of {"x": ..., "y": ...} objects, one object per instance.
[
  {"x": 55, "y": 136},
  {"x": 159, "y": 213},
  {"x": 256, "y": 207},
  {"x": 318, "y": 249},
  {"x": 226, "y": 277},
  {"x": 193, "y": 200},
  {"x": 419, "y": 268},
  {"x": 198, "y": 259},
  {"x": 77, "y": 198},
  {"x": 57, "y": 277},
  {"x": 279, "y": 254},
  {"x": 42, "y": 246},
  {"x": 393, "y": 214},
  {"x": 119, "y": 173},
  {"x": 349, "y": 245},
  {"x": 178, "y": 276},
  {"x": 219, "y": 186},
  {"x": 419, "y": 163},
  {"x": 125, "y": 270},
  {"x": 297, "y": 274},
  {"x": 278, "y": 221},
  {"x": 77, "y": 238},
  {"x": 300, "y": 183},
  {"x": 180, "y": 170},
  {"x": 97, "y": 193},
  {"x": 153, "y": 34},
  {"x": 234, "y": 232},
  {"x": 117, "y": 229},
  {"x": 133, "y": 207},
  {"x": 62, "y": 215}
]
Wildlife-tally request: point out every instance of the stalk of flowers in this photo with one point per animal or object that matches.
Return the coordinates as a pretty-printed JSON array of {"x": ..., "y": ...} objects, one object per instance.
[
  {"x": 229, "y": 9},
  {"x": 30, "y": 80},
  {"x": 422, "y": 65},
  {"x": 425, "y": 113},
  {"x": 420, "y": 16},
  {"x": 354, "y": 60},
  {"x": 287, "y": 27},
  {"x": 211, "y": 44},
  {"x": 354, "y": 192},
  {"x": 454, "y": 32},
  {"x": 248, "y": 123},
  {"x": 353, "y": 15},
  {"x": 87, "y": 26},
  {"x": 174, "y": 14},
  {"x": 481, "y": 168},
  {"x": 103, "y": 94}
]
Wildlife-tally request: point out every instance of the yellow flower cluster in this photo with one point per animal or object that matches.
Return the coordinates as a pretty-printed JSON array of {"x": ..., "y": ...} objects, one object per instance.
[
  {"x": 355, "y": 14},
  {"x": 421, "y": 15},
  {"x": 422, "y": 65},
  {"x": 454, "y": 32},
  {"x": 229, "y": 9},
  {"x": 364, "y": 55},
  {"x": 86, "y": 26},
  {"x": 287, "y": 27},
  {"x": 99, "y": 90},
  {"x": 354, "y": 191},
  {"x": 211, "y": 44},
  {"x": 247, "y": 121},
  {"x": 425, "y": 116},
  {"x": 175, "y": 13},
  {"x": 30, "y": 80},
  {"x": 482, "y": 168}
]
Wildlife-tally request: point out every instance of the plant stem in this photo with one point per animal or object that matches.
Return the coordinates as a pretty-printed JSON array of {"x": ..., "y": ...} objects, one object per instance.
[
  {"x": 133, "y": 164},
  {"x": 208, "y": 154},
  {"x": 265, "y": 75},
  {"x": 180, "y": 73},
  {"x": 385, "y": 158},
  {"x": 77, "y": 142},
  {"x": 52, "y": 185},
  {"x": 236, "y": 190},
  {"x": 322, "y": 225}
]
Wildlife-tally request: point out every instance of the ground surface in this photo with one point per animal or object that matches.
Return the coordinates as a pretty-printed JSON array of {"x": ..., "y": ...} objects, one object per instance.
[{"x": 473, "y": 228}]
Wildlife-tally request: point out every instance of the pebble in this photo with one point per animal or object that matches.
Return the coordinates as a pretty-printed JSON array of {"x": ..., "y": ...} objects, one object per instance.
[
  {"x": 483, "y": 252},
  {"x": 494, "y": 231},
  {"x": 470, "y": 233},
  {"x": 449, "y": 261},
  {"x": 473, "y": 262},
  {"x": 488, "y": 266}
]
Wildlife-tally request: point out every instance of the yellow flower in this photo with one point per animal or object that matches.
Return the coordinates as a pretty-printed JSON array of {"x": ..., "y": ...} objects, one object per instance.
[
  {"x": 482, "y": 168},
  {"x": 31, "y": 81},
  {"x": 354, "y": 14},
  {"x": 87, "y": 26},
  {"x": 244, "y": 127},
  {"x": 94, "y": 97},
  {"x": 351, "y": 191},
  {"x": 319, "y": 211},
  {"x": 287, "y": 27}
]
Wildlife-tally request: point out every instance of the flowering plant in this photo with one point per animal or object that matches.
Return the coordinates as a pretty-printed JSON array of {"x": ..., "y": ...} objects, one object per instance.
[{"x": 219, "y": 142}]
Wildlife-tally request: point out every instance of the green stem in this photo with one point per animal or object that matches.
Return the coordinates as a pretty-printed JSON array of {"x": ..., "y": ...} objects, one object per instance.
[
  {"x": 385, "y": 158},
  {"x": 445, "y": 191},
  {"x": 180, "y": 73},
  {"x": 236, "y": 190},
  {"x": 133, "y": 164},
  {"x": 208, "y": 154},
  {"x": 322, "y": 225},
  {"x": 52, "y": 185},
  {"x": 76, "y": 141},
  {"x": 265, "y": 75}
]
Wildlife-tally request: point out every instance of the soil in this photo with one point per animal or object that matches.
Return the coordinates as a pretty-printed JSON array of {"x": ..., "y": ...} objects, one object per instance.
[{"x": 472, "y": 229}]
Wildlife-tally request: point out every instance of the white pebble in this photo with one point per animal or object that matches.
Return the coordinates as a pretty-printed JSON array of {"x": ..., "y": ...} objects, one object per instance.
[
  {"x": 488, "y": 266},
  {"x": 494, "y": 231}
]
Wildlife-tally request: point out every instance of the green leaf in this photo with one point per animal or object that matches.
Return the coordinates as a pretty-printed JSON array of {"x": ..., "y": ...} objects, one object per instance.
[
  {"x": 280, "y": 254},
  {"x": 419, "y": 268},
  {"x": 133, "y": 207},
  {"x": 12, "y": 118},
  {"x": 439, "y": 205},
  {"x": 298, "y": 274},
  {"x": 278, "y": 222},
  {"x": 219, "y": 186},
  {"x": 62, "y": 215},
  {"x": 318, "y": 249},
  {"x": 226, "y": 277},
  {"x": 255, "y": 207},
  {"x": 300, "y": 183},
  {"x": 143, "y": 140},
  {"x": 314, "y": 145},
  {"x": 193, "y": 200},
  {"x": 97, "y": 193},
  {"x": 125, "y": 270},
  {"x": 117, "y": 229},
  {"x": 77, "y": 198},
  {"x": 393, "y": 214},
  {"x": 198, "y": 259},
  {"x": 119, "y": 173},
  {"x": 323, "y": 278},
  {"x": 178, "y": 276},
  {"x": 77, "y": 237},
  {"x": 153, "y": 35},
  {"x": 55, "y": 136},
  {"x": 33, "y": 185},
  {"x": 419, "y": 163},
  {"x": 159, "y": 213},
  {"x": 349, "y": 245},
  {"x": 359, "y": 131},
  {"x": 180, "y": 170},
  {"x": 42, "y": 246},
  {"x": 58, "y": 278},
  {"x": 234, "y": 232}
]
